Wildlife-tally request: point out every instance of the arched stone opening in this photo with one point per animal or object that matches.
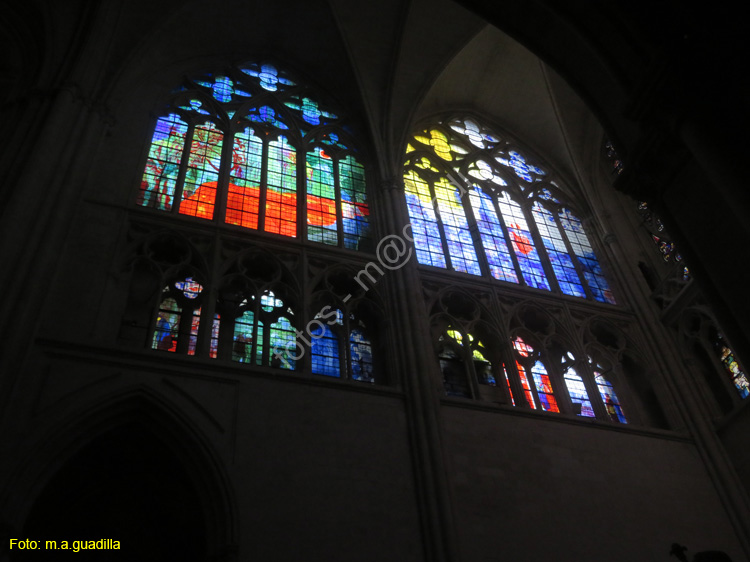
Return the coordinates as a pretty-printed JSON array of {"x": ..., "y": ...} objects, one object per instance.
[{"x": 138, "y": 476}]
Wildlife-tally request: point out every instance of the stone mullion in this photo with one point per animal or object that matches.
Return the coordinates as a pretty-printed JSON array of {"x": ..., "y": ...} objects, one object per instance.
[
  {"x": 339, "y": 205},
  {"x": 262, "y": 196},
  {"x": 342, "y": 337},
  {"x": 226, "y": 337},
  {"x": 528, "y": 364},
  {"x": 556, "y": 376},
  {"x": 469, "y": 369},
  {"x": 301, "y": 169},
  {"x": 519, "y": 394},
  {"x": 418, "y": 369},
  {"x": 304, "y": 363},
  {"x": 222, "y": 183},
  {"x": 210, "y": 296},
  {"x": 184, "y": 329}
]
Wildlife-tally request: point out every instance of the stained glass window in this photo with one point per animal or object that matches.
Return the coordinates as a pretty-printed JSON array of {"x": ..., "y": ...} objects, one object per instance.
[
  {"x": 218, "y": 156},
  {"x": 321, "y": 198},
  {"x": 167, "y": 326},
  {"x": 243, "y": 195},
  {"x": 529, "y": 363},
  {"x": 730, "y": 365},
  {"x": 325, "y": 351},
  {"x": 281, "y": 189},
  {"x": 495, "y": 246},
  {"x": 579, "y": 396},
  {"x": 163, "y": 164},
  {"x": 454, "y": 374},
  {"x": 354, "y": 210},
  {"x": 478, "y": 205},
  {"x": 204, "y": 161},
  {"x": 341, "y": 347},
  {"x": 424, "y": 223},
  {"x": 607, "y": 393},
  {"x": 361, "y": 355},
  {"x": 463, "y": 359},
  {"x": 662, "y": 239},
  {"x": 255, "y": 329},
  {"x": 178, "y": 317}
]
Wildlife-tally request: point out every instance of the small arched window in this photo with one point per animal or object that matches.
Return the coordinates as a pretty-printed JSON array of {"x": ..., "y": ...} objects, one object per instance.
[
  {"x": 479, "y": 206},
  {"x": 463, "y": 358},
  {"x": 178, "y": 317},
  {"x": 607, "y": 391},
  {"x": 341, "y": 346},
  {"x": 253, "y": 149},
  {"x": 579, "y": 396},
  {"x": 534, "y": 377},
  {"x": 253, "y": 327}
]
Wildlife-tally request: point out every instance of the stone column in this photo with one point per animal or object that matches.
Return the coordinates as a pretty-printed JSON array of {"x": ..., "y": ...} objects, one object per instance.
[{"x": 419, "y": 379}]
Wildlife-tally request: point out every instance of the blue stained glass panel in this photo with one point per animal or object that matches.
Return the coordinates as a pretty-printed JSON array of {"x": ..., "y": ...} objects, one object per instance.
[
  {"x": 268, "y": 76},
  {"x": 522, "y": 243},
  {"x": 222, "y": 89},
  {"x": 583, "y": 251},
  {"x": 456, "y": 228},
  {"x": 611, "y": 403},
  {"x": 518, "y": 163},
  {"x": 493, "y": 239},
  {"x": 167, "y": 326},
  {"x": 577, "y": 392},
  {"x": 196, "y": 106},
  {"x": 562, "y": 264},
  {"x": 324, "y": 352},
  {"x": 424, "y": 225},
  {"x": 266, "y": 115},
  {"x": 360, "y": 348}
]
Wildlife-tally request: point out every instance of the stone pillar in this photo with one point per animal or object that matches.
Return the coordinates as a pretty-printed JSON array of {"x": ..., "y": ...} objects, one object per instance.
[{"x": 419, "y": 379}]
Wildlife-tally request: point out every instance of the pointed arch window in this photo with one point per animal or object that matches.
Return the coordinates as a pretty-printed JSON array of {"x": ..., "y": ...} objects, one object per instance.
[
  {"x": 534, "y": 377},
  {"x": 477, "y": 205},
  {"x": 341, "y": 347},
  {"x": 463, "y": 359},
  {"x": 178, "y": 317},
  {"x": 253, "y": 149},
  {"x": 607, "y": 392},
  {"x": 579, "y": 396},
  {"x": 255, "y": 328}
]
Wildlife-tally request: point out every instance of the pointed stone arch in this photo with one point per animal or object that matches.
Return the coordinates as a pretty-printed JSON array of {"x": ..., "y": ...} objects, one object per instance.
[{"x": 117, "y": 424}]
